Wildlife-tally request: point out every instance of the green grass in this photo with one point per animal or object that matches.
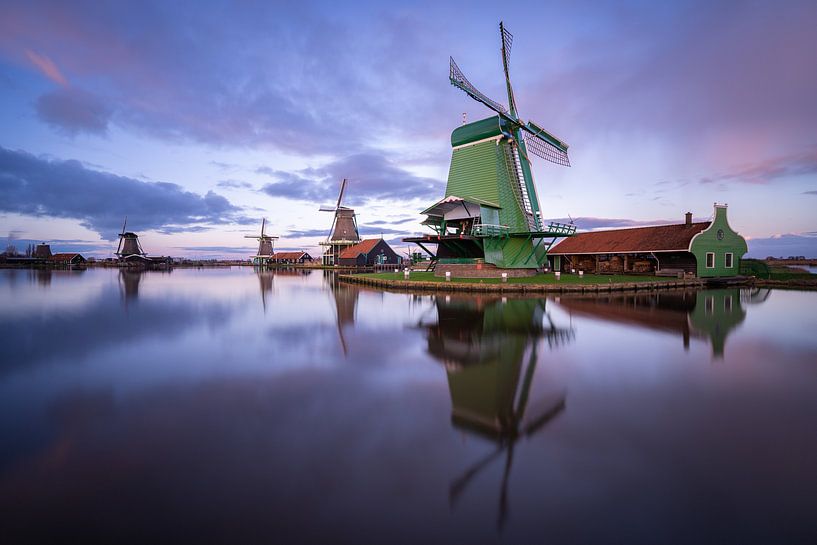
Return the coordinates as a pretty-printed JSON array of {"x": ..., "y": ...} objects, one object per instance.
[
  {"x": 761, "y": 269},
  {"x": 549, "y": 278}
]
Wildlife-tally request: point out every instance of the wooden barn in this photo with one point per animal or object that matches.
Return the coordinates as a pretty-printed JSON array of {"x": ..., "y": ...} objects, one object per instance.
[
  {"x": 291, "y": 258},
  {"x": 705, "y": 249},
  {"x": 67, "y": 259},
  {"x": 368, "y": 253}
]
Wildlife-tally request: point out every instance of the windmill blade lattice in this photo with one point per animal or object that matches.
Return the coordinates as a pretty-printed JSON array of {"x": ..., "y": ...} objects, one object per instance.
[
  {"x": 459, "y": 80},
  {"x": 546, "y": 150},
  {"x": 507, "y": 42}
]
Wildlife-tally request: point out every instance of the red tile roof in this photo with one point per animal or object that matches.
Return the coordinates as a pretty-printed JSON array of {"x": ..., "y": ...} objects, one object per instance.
[
  {"x": 363, "y": 247},
  {"x": 640, "y": 239},
  {"x": 65, "y": 257}
]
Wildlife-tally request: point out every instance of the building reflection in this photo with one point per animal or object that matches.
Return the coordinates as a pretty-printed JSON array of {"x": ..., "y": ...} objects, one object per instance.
[
  {"x": 489, "y": 347},
  {"x": 710, "y": 315}
]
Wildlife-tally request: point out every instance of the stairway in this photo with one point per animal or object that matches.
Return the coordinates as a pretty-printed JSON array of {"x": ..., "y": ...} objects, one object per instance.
[{"x": 517, "y": 181}]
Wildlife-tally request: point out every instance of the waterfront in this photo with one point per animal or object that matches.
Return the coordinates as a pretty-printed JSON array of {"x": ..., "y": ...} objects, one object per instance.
[{"x": 231, "y": 405}]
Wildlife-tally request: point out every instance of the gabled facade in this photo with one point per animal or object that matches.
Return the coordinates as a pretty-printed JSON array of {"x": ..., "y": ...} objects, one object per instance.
[{"x": 368, "y": 253}]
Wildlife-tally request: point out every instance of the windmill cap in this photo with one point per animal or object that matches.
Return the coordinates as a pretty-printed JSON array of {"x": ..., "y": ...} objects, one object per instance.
[{"x": 480, "y": 130}]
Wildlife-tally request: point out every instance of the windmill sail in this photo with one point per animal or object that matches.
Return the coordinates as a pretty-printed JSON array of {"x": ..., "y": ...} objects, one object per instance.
[
  {"x": 507, "y": 42},
  {"x": 458, "y": 79},
  {"x": 543, "y": 144}
]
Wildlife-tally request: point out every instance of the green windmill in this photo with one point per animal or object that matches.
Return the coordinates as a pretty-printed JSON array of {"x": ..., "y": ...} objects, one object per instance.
[{"x": 490, "y": 213}]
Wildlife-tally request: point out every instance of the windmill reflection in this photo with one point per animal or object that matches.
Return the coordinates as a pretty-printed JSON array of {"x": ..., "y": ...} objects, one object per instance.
[
  {"x": 265, "y": 279},
  {"x": 489, "y": 347},
  {"x": 129, "y": 279},
  {"x": 346, "y": 296},
  {"x": 710, "y": 315}
]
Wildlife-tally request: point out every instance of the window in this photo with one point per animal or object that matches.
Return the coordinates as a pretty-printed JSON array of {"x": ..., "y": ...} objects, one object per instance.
[
  {"x": 709, "y": 305},
  {"x": 710, "y": 260},
  {"x": 727, "y": 303},
  {"x": 729, "y": 258}
]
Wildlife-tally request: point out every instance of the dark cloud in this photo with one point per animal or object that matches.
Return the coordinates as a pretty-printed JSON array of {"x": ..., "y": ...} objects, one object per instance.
[
  {"x": 814, "y": 192},
  {"x": 784, "y": 246},
  {"x": 590, "y": 223},
  {"x": 224, "y": 166},
  {"x": 371, "y": 177},
  {"x": 286, "y": 75},
  {"x": 768, "y": 171},
  {"x": 308, "y": 233},
  {"x": 218, "y": 249},
  {"x": 85, "y": 247},
  {"x": 66, "y": 189},
  {"x": 234, "y": 184},
  {"x": 690, "y": 73},
  {"x": 375, "y": 230},
  {"x": 73, "y": 111}
]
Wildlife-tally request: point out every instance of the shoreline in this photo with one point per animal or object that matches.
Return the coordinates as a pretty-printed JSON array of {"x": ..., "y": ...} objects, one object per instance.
[{"x": 568, "y": 287}]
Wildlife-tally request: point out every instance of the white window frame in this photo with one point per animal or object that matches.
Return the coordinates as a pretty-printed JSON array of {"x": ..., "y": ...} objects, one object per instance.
[
  {"x": 729, "y": 260},
  {"x": 708, "y": 266}
]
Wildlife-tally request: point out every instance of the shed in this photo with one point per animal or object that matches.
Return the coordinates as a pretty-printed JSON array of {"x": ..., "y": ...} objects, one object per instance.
[
  {"x": 68, "y": 259},
  {"x": 705, "y": 249},
  {"x": 369, "y": 252},
  {"x": 291, "y": 257}
]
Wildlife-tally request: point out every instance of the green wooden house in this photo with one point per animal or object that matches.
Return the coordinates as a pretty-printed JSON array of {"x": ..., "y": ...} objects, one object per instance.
[{"x": 707, "y": 249}]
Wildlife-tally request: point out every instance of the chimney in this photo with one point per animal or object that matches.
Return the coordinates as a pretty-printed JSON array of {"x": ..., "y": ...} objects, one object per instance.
[{"x": 688, "y": 216}]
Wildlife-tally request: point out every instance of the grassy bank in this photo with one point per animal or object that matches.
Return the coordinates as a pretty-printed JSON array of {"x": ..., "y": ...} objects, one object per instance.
[
  {"x": 549, "y": 278},
  {"x": 770, "y": 271}
]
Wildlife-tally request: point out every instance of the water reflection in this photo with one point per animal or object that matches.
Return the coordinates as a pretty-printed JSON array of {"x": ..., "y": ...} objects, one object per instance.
[
  {"x": 169, "y": 407},
  {"x": 265, "y": 280},
  {"x": 709, "y": 314},
  {"x": 490, "y": 349},
  {"x": 346, "y": 298}
]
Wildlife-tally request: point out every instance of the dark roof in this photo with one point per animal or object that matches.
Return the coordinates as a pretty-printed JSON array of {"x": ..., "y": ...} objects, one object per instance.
[
  {"x": 363, "y": 247},
  {"x": 290, "y": 255},
  {"x": 66, "y": 257},
  {"x": 660, "y": 238}
]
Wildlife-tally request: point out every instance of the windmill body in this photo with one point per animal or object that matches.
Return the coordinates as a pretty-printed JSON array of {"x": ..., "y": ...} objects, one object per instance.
[
  {"x": 491, "y": 212},
  {"x": 129, "y": 248},
  {"x": 343, "y": 233},
  {"x": 266, "y": 246}
]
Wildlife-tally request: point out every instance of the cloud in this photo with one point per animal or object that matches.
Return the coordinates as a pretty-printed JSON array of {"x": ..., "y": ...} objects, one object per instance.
[
  {"x": 591, "y": 223},
  {"x": 813, "y": 192},
  {"x": 219, "y": 249},
  {"x": 305, "y": 233},
  {"x": 234, "y": 184},
  {"x": 768, "y": 171},
  {"x": 73, "y": 110},
  {"x": 47, "y": 67},
  {"x": 66, "y": 189},
  {"x": 784, "y": 245},
  {"x": 371, "y": 177},
  {"x": 290, "y": 76}
]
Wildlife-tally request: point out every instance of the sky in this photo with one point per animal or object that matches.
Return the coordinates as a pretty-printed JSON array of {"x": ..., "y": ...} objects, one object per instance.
[{"x": 197, "y": 119}]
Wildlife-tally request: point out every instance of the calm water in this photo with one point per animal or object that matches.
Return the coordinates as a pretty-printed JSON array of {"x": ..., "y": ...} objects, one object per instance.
[{"x": 232, "y": 406}]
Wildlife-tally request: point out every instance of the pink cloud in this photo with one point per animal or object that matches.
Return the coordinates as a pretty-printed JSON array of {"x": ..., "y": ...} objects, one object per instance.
[{"x": 47, "y": 67}]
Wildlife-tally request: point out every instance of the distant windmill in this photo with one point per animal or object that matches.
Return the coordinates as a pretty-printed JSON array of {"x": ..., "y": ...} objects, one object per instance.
[
  {"x": 344, "y": 232},
  {"x": 129, "y": 244},
  {"x": 266, "y": 245}
]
